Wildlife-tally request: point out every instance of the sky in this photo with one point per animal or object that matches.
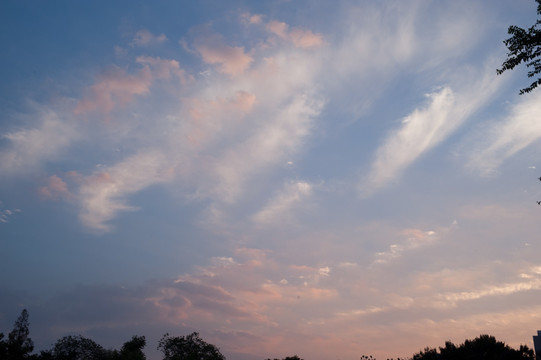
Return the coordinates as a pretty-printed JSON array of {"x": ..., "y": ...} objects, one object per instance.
[{"x": 320, "y": 178}]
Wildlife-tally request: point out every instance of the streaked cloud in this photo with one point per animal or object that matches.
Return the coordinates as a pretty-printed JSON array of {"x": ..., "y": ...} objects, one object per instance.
[
  {"x": 299, "y": 37},
  {"x": 54, "y": 188},
  {"x": 215, "y": 179},
  {"x": 29, "y": 148},
  {"x": 6, "y": 214},
  {"x": 426, "y": 127},
  {"x": 104, "y": 193},
  {"x": 506, "y": 137},
  {"x": 144, "y": 37},
  {"x": 231, "y": 60},
  {"x": 114, "y": 88},
  {"x": 277, "y": 210},
  {"x": 414, "y": 238}
]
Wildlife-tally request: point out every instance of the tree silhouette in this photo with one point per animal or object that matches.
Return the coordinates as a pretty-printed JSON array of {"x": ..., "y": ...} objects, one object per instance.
[
  {"x": 18, "y": 345},
  {"x": 132, "y": 350},
  {"x": 189, "y": 347},
  {"x": 294, "y": 357},
  {"x": 76, "y": 347},
  {"x": 484, "y": 347},
  {"x": 524, "y": 47}
]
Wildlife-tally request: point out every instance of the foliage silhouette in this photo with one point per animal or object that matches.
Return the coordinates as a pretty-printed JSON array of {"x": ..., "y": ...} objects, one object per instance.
[
  {"x": 524, "y": 47},
  {"x": 76, "y": 347},
  {"x": 18, "y": 345},
  {"x": 189, "y": 347},
  {"x": 132, "y": 350},
  {"x": 484, "y": 347},
  {"x": 294, "y": 357}
]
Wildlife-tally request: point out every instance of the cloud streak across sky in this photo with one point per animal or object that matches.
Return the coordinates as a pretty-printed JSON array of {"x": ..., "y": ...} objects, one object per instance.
[{"x": 325, "y": 184}]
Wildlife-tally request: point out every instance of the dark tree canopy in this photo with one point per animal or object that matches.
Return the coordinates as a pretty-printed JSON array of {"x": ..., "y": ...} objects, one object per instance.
[
  {"x": 484, "y": 347},
  {"x": 189, "y": 347},
  {"x": 294, "y": 357},
  {"x": 18, "y": 345},
  {"x": 133, "y": 349},
  {"x": 76, "y": 347},
  {"x": 524, "y": 46}
]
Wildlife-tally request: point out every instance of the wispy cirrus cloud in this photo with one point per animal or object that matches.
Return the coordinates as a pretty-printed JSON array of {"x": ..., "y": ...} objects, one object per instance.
[
  {"x": 414, "y": 238},
  {"x": 273, "y": 143},
  {"x": 54, "y": 188},
  {"x": 231, "y": 60},
  {"x": 29, "y": 148},
  {"x": 278, "y": 209},
  {"x": 427, "y": 127},
  {"x": 144, "y": 38},
  {"x": 301, "y": 38},
  {"x": 6, "y": 214},
  {"x": 116, "y": 87},
  {"x": 105, "y": 193},
  {"x": 503, "y": 139}
]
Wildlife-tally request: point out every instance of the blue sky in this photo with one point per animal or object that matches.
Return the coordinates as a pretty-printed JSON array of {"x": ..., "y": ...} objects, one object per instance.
[{"x": 327, "y": 179}]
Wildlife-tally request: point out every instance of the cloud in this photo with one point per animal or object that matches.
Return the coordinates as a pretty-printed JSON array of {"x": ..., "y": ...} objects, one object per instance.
[
  {"x": 299, "y": 37},
  {"x": 162, "y": 68},
  {"x": 252, "y": 18},
  {"x": 231, "y": 60},
  {"x": 254, "y": 298},
  {"x": 114, "y": 88},
  {"x": 28, "y": 149},
  {"x": 6, "y": 214},
  {"x": 218, "y": 134},
  {"x": 503, "y": 139},
  {"x": 421, "y": 130},
  {"x": 104, "y": 193},
  {"x": 427, "y": 127},
  {"x": 279, "y": 208},
  {"x": 414, "y": 238},
  {"x": 144, "y": 38},
  {"x": 55, "y": 188},
  {"x": 271, "y": 144}
]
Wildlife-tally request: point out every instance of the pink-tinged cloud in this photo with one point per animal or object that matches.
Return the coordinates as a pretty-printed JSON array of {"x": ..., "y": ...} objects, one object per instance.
[
  {"x": 279, "y": 208},
  {"x": 249, "y": 19},
  {"x": 162, "y": 68},
  {"x": 55, "y": 188},
  {"x": 114, "y": 88},
  {"x": 231, "y": 60},
  {"x": 27, "y": 149},
  {"x": 503, "y": 139},
  {"x": 299, "y": 37},
  {"x": 145, "y": 38},
  {"x": 278, "y": 28},
  {"x": 216, "y": 117},
  {"x": 279, "y": 134},
  {"x": 104, "y": 194}
]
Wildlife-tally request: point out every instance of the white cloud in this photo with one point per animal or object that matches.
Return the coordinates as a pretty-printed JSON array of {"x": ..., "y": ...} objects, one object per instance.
[
  {"x": 301, "y": 38},
  {"x": 270, "y": 144},
  {"x": 427, "y": 127},
  {"x": 414, "y": 239},
  {"x": 279, "y": 208},
  {"x": 500, "y": 141},
  {"x": 28, "y": 149},
  {"x": 105, "y": 193},
  {"x": 231, "y": 60},
  {"x": 145, "y": 38},
  {"x": 6, "y": 214},
  {"x": 421, "y": 130}
]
